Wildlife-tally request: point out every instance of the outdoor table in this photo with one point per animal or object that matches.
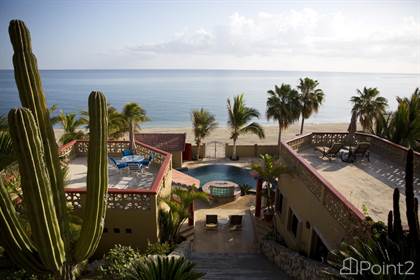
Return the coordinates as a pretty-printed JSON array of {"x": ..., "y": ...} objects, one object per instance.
[{"x": 132, "y": 158}]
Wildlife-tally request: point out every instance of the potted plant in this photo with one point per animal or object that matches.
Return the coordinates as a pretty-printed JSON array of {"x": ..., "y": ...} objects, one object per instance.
[{"x": 269, "y": 170}]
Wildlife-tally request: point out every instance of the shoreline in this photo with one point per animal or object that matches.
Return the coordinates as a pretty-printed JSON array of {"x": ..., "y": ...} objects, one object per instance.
[{"x": 222, "y": 134}]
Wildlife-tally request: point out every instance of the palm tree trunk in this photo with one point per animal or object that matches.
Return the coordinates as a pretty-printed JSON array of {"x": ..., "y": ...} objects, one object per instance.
[
  {"x": 132, "y": 137},
  {"x": 234, "y": 150},
  {"x": 279, "y": 140},
  {"x": 198, "y": 149},
  {"x": 301, "y": 126}
]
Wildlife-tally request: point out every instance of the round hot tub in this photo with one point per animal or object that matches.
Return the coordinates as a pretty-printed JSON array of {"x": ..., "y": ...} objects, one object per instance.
[{"x": 222, "y": 190}]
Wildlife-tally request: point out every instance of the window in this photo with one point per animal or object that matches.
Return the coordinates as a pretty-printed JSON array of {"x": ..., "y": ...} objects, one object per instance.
[
  {"x": 105, "y": 230},
  {"x": 293, "y": 223},
  {"x": 279, "y": 202},
  {"x": 128, "y": 230},
  {"x": 116, "y": 230}
]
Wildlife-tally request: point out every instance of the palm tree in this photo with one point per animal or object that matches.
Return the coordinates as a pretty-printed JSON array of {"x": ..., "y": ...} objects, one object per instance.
[
  {"x": 311, "y": 98},
  {"x": 368, "y": 106},
  {"x": 133, "y": 115},
  {"x": 283, "y": 106},
  {"x": 70, "y": 125},
  {"x": 269, "y": 171},
  {"x": 179, "y": 203},
  {"x": 406, "y": 120},
  {"x": 116, "y": 122},
  {"x": 203, "y": 123},
  {"x": 239, "y": 118}
]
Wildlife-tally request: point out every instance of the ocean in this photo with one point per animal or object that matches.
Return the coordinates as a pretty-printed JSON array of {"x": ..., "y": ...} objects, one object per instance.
[{"x": 168, "y": 96}]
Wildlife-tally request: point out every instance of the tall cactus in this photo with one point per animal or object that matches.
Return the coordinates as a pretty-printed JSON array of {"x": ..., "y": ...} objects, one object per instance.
[
  {"x": 49, "y": 249},
  {"x": 408, "y": 244}
]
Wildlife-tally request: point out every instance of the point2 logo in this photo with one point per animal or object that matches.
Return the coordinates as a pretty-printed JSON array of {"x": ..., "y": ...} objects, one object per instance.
[{"x": 352, "y": 266}]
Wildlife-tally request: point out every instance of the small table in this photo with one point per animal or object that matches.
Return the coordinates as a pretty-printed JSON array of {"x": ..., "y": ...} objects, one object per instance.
[{"x": 132, "y": 158}]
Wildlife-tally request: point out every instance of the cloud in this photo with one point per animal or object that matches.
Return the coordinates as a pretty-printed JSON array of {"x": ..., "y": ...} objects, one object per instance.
[{"x": 305, "y": 32}]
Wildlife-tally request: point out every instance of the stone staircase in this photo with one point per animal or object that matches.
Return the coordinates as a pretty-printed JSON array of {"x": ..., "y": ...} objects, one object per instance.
[
  {"x": 236, "y": 266},
  {"x": 187, "y": 232}
]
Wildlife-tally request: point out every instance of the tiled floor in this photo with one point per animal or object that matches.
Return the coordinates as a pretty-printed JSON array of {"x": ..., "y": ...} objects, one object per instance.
[
  {"x": 116, "y": 179},
  {"x": 363, "y": 182}
]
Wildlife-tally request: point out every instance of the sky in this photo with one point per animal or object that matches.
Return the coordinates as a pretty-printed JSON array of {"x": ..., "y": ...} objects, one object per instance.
[{"x": 341, "y": 36}]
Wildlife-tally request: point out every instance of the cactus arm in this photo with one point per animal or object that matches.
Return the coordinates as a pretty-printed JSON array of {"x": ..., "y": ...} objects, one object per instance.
[
  {"x": 36, "y": 188},
  {"x": 13, "y": 237},
  {"x": 97, "y": 179},
  {"x": 397, "y": 216},
  {"x": 409, "y": 197},
  {"x": 29, "y": 85}
]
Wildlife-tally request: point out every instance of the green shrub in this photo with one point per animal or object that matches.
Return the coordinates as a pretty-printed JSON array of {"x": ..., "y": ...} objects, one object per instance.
[
  {"x": 163, "y": 267},
  {"x": 159, "y": 248},
  {"x": 118, "y": 261},
  {"x": 245, "y": 188},
  {"x": 21, "y": 274}
]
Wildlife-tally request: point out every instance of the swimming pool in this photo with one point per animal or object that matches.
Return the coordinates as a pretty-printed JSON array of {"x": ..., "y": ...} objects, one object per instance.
[{"x": 216, "y": 172}]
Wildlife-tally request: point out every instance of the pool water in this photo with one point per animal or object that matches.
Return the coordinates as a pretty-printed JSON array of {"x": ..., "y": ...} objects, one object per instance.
[{"x": 222, "y": 172}]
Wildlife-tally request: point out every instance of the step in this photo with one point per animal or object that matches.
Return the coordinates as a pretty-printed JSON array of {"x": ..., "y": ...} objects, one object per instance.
[{"x": 236, "y": 266}]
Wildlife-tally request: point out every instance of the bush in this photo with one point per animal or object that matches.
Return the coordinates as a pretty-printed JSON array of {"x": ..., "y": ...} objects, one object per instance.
[
  {"x": 245, "y": 189},
  {"x": 118, "y": 262},
  {"x": 159, "y": 248},
  {"x": 164, "y": 268}
]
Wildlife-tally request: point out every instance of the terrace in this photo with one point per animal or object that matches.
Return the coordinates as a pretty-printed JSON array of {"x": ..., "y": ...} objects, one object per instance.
[
  {"x": 347, "y": 188},
  {"x": 75, "y": 154}
]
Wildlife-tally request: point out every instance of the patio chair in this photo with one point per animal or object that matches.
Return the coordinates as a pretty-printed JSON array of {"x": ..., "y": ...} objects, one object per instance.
[
  {"x": 146, "y": 162},
  {"x": 330, "y": 152},
  {"x": 235, "y": 222},
  {"x": 211, "y": 222},
  {"x": 361, "y": 149},
  {"x": 127, "y": 152},
  {"x": 119, "y": 165},
  {"x": 135, "y": 167}
]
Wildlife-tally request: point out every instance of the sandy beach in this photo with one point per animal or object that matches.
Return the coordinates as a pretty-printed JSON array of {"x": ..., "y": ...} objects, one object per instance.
[{"x": 222, "y": 134}]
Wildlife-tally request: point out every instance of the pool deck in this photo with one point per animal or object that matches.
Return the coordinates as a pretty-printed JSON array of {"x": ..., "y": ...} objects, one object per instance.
[
  {"x": 223, "y": 240},
  {"x": 242, "y": 162}
]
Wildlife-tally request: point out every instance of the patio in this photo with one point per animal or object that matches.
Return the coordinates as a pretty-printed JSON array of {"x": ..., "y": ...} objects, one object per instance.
[
  {"x": 364, "y": 183},
  {"x": 123, "y": 179}
]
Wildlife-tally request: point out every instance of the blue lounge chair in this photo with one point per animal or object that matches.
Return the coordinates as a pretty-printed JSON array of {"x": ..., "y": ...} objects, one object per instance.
[
  {"x": 118, "y": 165},
  {"x": 146, "y": 162},
  {"x": 127, "y": 152}
]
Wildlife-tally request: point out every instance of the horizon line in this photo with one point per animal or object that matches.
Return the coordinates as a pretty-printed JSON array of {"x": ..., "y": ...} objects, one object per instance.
[{"x": 212, "y": 69}]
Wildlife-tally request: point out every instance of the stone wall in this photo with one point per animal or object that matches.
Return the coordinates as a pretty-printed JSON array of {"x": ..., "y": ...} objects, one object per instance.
[
  {"x": 183, "y": 249},
  {"x": 293, "y": 264},
  {"x": 251, "y": 150}
]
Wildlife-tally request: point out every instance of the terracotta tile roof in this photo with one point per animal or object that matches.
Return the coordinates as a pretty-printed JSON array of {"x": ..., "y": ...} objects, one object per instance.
[
  {"x": 179, "y": 178},
  {"x": 169, "y": 142}
]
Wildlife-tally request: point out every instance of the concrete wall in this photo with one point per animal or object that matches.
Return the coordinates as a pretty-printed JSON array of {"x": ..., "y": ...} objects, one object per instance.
[
  {"x": 202, "y": 150},
  {"x": 176, "y": 159},
  {"x": 143, "y": 225},
  {"x": 312, "y": 216},
  {"x": 251, "y": 150}
]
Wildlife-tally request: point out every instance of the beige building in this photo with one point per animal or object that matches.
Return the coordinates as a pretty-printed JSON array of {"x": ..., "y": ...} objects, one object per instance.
[
  {"x": 173, "y": 143},
  {"x": 320, "y": 204},
  {"x": 132, "y": 214}
]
